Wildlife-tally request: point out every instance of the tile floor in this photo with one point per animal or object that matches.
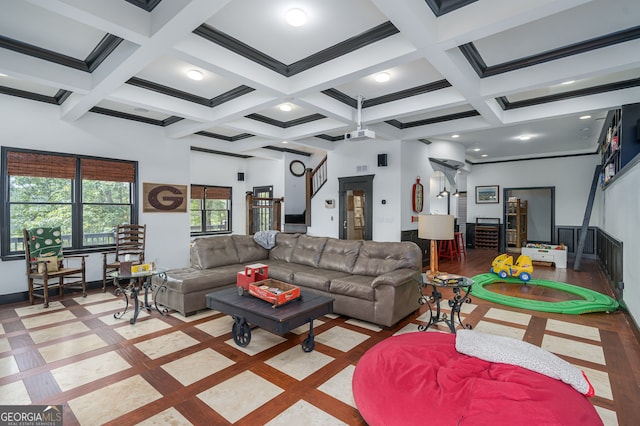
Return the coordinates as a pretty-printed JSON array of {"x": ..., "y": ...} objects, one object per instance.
[{"x": 176, "y": 370}]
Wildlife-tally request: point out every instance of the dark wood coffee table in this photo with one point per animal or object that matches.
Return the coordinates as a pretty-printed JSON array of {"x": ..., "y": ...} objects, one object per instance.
[{"x": 280, "y": 320}]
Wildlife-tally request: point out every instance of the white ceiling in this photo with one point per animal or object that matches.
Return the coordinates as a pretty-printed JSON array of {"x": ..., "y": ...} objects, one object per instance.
[{"x": 253, "y": 61}]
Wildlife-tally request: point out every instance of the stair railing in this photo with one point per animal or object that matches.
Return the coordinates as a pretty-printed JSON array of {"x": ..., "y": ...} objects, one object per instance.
[{"x": 315, "y": 179}]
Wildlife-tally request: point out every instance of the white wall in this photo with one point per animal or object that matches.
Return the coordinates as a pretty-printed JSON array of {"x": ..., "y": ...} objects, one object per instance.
[
  {"x": 224, "y": 173},
  {"x": 295, "y": 186},
  {"x": 415, "y": 162},
  {"x": 344, "y": 161},
  {"x": 620, "y": 213},
  {"x": 570, "y": 176},
  {"x": 34, "y": 125}
]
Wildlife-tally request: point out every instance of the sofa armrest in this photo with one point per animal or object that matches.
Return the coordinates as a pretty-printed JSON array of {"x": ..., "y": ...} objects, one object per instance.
[{"x": 396, "y": 278}]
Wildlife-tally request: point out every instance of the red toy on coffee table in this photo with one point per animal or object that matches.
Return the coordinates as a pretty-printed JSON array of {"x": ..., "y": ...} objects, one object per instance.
[
  {"x": 251, "y": 274},
  {"x": 254, "y": 280}
]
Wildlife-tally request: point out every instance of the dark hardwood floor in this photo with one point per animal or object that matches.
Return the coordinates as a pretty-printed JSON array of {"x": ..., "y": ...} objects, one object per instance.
[{"x": 176, "y": 370}]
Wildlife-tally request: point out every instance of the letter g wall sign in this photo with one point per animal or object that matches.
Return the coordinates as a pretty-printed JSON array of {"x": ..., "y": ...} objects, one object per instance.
[{"x": 159, "y": 197}]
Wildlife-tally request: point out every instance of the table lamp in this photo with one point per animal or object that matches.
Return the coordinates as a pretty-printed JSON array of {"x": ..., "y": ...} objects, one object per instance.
[{"x": 435, "y": 227}]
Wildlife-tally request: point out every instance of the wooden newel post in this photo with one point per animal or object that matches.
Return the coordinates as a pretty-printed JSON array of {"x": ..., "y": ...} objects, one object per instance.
[
  {"x": 249, "y": 199},
  {"x": 277, "y": 212}
]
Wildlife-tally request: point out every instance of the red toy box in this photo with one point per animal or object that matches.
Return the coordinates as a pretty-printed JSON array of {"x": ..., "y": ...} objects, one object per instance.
[{"x": 274, "y": 291}]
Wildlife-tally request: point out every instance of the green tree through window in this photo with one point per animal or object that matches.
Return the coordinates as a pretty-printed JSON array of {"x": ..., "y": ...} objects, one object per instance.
[
  {"x": 210, "y": 209},
  {"x": 86, "y": 197}
]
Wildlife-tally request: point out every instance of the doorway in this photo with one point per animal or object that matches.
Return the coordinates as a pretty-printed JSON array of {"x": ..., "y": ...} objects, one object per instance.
[
  {"x": 262, "y": 214},
  {"x": 540, "y": 211},
  {"x": 356, "y": 207}
]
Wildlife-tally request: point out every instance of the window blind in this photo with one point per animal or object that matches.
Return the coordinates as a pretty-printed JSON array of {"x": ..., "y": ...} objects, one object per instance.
[
  {"x": 107, "y": 170},
  {"x": 212, "y": 192},
  {"x": 40, "y": 165}
]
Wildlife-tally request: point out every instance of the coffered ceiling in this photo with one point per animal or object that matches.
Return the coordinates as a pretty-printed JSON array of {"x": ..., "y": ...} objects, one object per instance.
[{"x": 507, "y": 79}]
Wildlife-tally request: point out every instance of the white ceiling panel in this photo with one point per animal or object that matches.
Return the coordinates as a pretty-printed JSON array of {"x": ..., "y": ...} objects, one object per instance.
[
  {"x": 28, "y": 86},
  {"x": 563, "y": 29},
  {"x": 172, "y": 73},
  {"x": 262, "y": 25},
  {"x": 30, "y": 24},
  {"x": 266, "y": 63}
]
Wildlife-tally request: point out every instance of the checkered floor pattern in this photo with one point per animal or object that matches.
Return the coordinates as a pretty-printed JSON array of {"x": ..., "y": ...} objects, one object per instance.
[{"x": 176, "y": 370}]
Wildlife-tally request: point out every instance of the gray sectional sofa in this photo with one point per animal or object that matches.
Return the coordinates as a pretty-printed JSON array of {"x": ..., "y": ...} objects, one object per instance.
[{"x": 371, "y": 281}]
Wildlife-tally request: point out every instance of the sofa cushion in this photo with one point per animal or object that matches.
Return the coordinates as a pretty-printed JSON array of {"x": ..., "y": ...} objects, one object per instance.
[
  {"x": 358, "y": 286},
  {"x": 211, "y": 252},
  {"x": 340, "y": 255},
  {"x": 284, "y": 271},
  {"x": 189, "y": 280},
  {"x": 248, "y": 250},
  {"x": 285, "y": 244},
  {"x": 317, "y": 278},
  {"x": 377, "y": 258},
  {"x": 308, "y": 250}
]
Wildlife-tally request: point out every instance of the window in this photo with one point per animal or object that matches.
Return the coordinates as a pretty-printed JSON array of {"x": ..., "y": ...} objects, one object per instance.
[
  {"x": 86, "y": 197},
  {"x": 210, "y": 209}
]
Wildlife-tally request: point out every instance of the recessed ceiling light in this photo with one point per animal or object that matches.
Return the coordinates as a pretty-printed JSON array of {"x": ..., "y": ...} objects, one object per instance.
[
  {"x": 524, "y": 137},
  {"x": 3, "y": 74},
  {"x": 195, "y": 75},
  {"x": 382, "y": 77},
  {"x": 138, "y": 109},
  {"x": 476, "y": 149},
  {"x": 485, "y": 155},
  {"x": 285, "y": 142},
  {"x": 455, "y": 136},
  {"x": 568, "y": 82},
  {"x": 285, "y": 107},
  {"x": 585, "y": 117},
  {"x": 296, "y": 17}
]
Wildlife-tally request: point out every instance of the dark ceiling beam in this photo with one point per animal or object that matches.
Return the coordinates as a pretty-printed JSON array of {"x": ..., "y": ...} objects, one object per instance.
[
  {"x": 373, "y": 35},
  {"x": 103, "y": 49},
  {"x": 212, "y": 151},
  {"x": 286, "y": 124},
  {"x": 223, "y": 137},
  {"x": 441, "y": 7},
  {"x": 147, "y": 5},
  {"x": 505, "y": 104},
  {"x": 474, "y": 58},
  {"x": 457, "y": 116}
]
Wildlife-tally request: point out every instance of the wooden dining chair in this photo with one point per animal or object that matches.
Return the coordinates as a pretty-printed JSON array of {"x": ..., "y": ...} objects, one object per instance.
[
  {"x": 47, "y": 267},
  {"x": 130, "y": 245}
]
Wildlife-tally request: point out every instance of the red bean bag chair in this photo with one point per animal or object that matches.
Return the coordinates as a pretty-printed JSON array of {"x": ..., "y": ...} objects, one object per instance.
[{"x": 420, "y": 378}]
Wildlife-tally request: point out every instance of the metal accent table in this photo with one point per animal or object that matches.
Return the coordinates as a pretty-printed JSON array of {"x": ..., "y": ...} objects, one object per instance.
[
  {"x": 137, "y": 282},
  {"x": 460, "y": 295}
]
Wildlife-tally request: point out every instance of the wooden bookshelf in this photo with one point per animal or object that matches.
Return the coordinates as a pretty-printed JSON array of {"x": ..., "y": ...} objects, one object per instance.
[{"x": 516, "y": 222}]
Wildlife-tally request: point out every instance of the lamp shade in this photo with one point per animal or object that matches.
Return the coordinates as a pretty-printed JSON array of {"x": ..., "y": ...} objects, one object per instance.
[{"x": 435, "y": 227}]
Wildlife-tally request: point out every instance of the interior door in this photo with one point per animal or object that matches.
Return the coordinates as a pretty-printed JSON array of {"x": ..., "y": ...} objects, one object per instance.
[
  {"x": 540, "y": 211},
  {"x": 356, "y": 207}
]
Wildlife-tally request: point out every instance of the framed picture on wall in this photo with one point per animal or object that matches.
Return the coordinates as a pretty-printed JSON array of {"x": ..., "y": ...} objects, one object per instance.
[{"x": 488, "y": 194}]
